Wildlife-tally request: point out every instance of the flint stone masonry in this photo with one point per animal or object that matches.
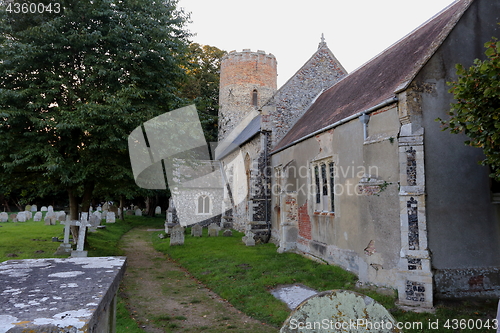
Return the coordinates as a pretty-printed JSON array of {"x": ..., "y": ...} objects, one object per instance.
[{"x": 60, "y": 295}]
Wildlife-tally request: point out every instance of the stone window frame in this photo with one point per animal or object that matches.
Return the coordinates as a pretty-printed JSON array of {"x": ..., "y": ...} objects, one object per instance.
[
  {"x": 318, "y": 175},
  {"x": 255, "y": 97},
  {"x": 206, "y": 199}
]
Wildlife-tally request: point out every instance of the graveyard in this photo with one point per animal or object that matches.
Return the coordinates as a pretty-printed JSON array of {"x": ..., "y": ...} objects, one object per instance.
[{"x": 218, "y": 260}]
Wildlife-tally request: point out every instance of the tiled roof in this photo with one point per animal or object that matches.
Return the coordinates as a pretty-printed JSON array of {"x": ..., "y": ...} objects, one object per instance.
[{"x": 380, "y": 78}]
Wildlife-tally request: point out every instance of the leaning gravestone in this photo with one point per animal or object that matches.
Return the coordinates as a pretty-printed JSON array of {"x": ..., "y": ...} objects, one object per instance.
[
  {"x": 138, "y": 212},
  {"x": 213, "y": 230},
  {"x": 197, "y": 230},
  {"x": 227, "y": 233},
  {"x": 177, "y": 235},
  {"x": 4, "y": 217},
  {"x": 43, "y": 209},
  {"x": 34, "y": 208},
  {"x": 13, "y": 217},
  {"x": 110, "y": 217},
  {"x": 38, "y": 217},
  {"x": 344, "y": 311},
  {"x": 21, "y": 217}
]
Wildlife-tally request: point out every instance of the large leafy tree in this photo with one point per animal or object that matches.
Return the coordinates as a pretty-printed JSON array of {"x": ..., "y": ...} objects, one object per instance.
[
  {"x": 75, "y": 83},
  {"x": 202, "y": 85},
  {"x": 476, "y": 111}
]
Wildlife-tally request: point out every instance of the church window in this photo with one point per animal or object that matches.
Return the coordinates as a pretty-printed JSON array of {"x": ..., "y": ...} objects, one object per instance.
[
  {"x": 324, "y": 181},
  {"x": 203, "y": 204},
  {"x": 255, "y": 97}
]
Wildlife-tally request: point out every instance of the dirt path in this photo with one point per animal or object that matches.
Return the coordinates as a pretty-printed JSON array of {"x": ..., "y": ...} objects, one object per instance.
[{"x": 163, "y": 297}]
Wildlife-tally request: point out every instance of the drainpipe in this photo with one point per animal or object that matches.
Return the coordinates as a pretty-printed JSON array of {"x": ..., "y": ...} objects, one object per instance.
[{"x": 365, "y": 118}]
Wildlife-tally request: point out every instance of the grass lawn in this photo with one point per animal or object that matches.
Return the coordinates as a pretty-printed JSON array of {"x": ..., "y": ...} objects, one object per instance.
[{"x": 244, "y": 275}]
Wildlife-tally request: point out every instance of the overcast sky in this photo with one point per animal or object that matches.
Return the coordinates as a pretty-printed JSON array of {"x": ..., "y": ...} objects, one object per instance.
[{"x": 355, "y": 30}]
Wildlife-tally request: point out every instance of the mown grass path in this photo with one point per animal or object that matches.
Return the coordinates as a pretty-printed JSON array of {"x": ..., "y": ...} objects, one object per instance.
[{"x": 163, "y": 297}]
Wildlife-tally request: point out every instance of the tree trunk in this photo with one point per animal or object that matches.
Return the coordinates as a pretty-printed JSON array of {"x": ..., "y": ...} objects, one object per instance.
[
  {"x": 88, "y": 189},
  {"x": 73, "y": 205},
  {"x": 150, "y": 206}
]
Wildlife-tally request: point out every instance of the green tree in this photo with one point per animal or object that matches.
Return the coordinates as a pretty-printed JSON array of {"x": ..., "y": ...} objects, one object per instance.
[
  {"x": 75, "y": 83},
  {"x": 202, "y": 85},
  {"x": 476, "y": 111}
]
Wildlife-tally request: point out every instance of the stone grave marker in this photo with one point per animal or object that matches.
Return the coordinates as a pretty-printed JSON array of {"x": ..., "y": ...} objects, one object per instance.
[
  {"x": 43, "y": 209},
  {"x": 21, "y": 217},
  {"x": 98, "y": 215},
  {"x": 248, "y": 239},
  {"x": 227, "y": 233},
  {"x": 105, "y": 206},
  {"x": 65, "y": 246},
  {"x": 34, "y": 208},
  {"x": 38, "y": 217},
  {"x": 104, "y": 214},
  {"x": 94, "y": 223},
  {"x": 138, "y": 212},
  {"x": 80, "y": 252},
  {"x": 177, "y": 235},
  {"x": 61, "y": 216},
  {"x": 13, "y": 217},
  {"x": 158, "y": 210},
  {"x": 110, "y": 217},
  {"x": 50, "y": 209},
  {"x": 129, "y": 212},
  {"x": 346, "y": 311},
  {"x": 50, "y": 218},
  {"x": 29, "y": 215},
  {"x": 4, "y": 217},
  {"x": 213, "y": 230},
  {"x": 197, "y": 230},
  {"x": 27, "y": 208}
]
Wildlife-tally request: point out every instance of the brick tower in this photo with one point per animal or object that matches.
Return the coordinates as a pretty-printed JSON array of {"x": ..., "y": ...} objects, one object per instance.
[{"x": 247, "y": 81}]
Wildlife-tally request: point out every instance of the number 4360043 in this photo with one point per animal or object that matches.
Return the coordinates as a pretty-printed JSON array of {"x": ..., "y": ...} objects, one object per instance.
[{"x": 33, "y": 8}]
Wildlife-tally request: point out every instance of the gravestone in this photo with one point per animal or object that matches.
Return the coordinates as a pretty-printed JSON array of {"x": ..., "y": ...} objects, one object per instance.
[
  {"x": 110, "y": 218},
  {"x": 345, "y": 311},
  {"x": 94, "y": 222},
  {"x": 38, "y": 217},
  {"x": 84, "y": 216},
  {"x": 138, "y": 212},
  {"x": 80, "y": 252},
  {"x": 60, "y": 295},
  {"x": 213, "y": 230},
  {"x": 50, "y": 218},
  {"x": 34, "y": 208},
  {"x": 91, "y": 210},
  {"x": 4, "y": 217},
  {"x": 50, "y": 209},
  {"x": 43, "y": 209},
  {"x": 21, "y": 217},
  {"x": 105, "y": 206},
  {"x": 65, "y": 246},
  {"x": 158, "y": 210},
  {"x": 227, "y": 233},
  {"x": 13, "y": 217},
  {"x": 197, "y": 230},
  {"x": 113, "y": 209},
  {"x": 104, "y": 214},
  {"x": 29, "y": 215},
  {"x": 98, "y": 215},
  {"x": 177, "y": 235},
  {"x": 129, "y": 212},
  {"x": 61, "y": 216},
  {"x": 248, "y": 239},
  {"x": 27, "y": 208}
]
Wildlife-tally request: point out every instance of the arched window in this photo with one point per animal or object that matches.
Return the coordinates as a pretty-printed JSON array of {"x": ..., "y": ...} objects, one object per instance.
[
  {"x": 255, "y": 97},
  {"x": 203, "y": 204}
]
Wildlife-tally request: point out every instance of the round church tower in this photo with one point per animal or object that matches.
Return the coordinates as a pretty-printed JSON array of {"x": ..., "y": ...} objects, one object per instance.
[{"x": 247, "y": 81}]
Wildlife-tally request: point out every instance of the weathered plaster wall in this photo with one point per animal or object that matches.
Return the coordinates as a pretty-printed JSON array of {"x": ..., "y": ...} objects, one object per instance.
[
  {"x": 363, "y": 233},
  {"x": 463, "y": 224}
]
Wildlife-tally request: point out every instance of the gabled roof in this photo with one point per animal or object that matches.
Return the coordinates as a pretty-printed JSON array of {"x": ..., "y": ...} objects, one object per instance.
[
  {"x": 251, "y": 130},
  {"x": 380, "y": 78}
]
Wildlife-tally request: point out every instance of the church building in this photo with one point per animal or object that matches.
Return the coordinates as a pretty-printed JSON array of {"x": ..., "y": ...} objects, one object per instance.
[{"x": 354, "y": 170}]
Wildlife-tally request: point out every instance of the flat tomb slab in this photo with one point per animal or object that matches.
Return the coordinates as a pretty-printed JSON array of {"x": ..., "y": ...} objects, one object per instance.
[{"x": 60, "y": 295}]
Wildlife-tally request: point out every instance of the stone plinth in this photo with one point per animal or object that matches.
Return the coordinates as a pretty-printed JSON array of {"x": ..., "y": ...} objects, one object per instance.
[{"x": 60, "y": 295}]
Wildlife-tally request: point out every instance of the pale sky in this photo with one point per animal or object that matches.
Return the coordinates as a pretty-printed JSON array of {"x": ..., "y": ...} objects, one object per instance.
[{"x": 355, "y": 30}]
